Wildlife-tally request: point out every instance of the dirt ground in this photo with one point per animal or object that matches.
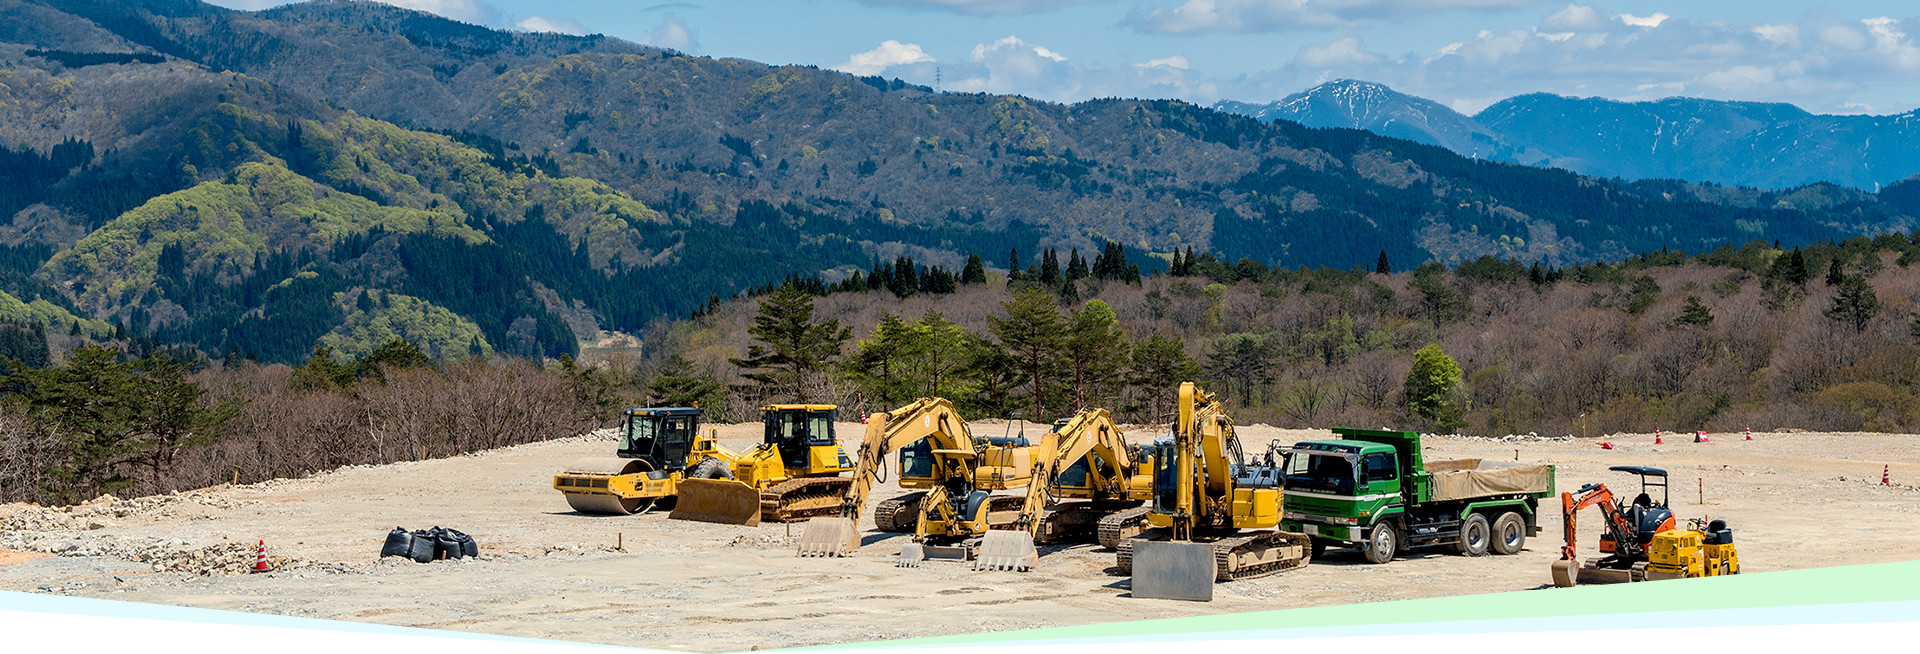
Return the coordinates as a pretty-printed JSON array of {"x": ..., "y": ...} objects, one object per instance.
[{"x": 1795, "y": 500}]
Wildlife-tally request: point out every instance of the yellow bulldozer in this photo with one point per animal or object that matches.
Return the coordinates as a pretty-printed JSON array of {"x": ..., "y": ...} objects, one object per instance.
[
  {"x": 664, "y": 462},
  {"x": 793, "y": 474},
  {"x": 1084, "y": 475},
  {"x": 1213, "y": 512},
  {"x": 937, "y": 453}
]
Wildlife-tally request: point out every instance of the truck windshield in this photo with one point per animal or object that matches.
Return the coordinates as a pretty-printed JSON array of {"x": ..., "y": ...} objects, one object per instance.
[{"x": 1325, "y": 473}]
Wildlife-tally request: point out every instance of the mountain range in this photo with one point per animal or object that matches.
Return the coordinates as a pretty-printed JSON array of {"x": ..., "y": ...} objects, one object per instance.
[
  {"x": 1762, "y": 145},
  {"x": 341, "y": 172}
]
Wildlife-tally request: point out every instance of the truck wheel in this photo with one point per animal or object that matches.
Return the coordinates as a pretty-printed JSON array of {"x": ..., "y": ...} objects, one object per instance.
[
  {"x": 1382, "y": 543},
  {"x": 1319, "y": 548},
  {"x": 1475, "y": 535},
  {"x": 1509, "y": 533}
]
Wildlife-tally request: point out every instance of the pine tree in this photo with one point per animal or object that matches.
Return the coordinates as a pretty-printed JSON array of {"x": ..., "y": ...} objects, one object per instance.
[
  {"x": 1694, "y": 314},
  {"x": 679, "y": 385},
  {"x": 1834, "y": 275},
  {"x": 1049, "y": 268},
  {"x": 1030, "y": 336},
  {"x": 1076, "y": 266},
  {"x": 1383, "y": 266},
  {"x": 975, "y": 271},
  {"x": 1095, "y": 351},
  {"x": 1014, "y": 272},
  {"x": 1432, "y": 383},
  {"x": 1856, "y": 304},
  {"x": 1158, "y": 367},
  {"x": 790, "y": 350}
]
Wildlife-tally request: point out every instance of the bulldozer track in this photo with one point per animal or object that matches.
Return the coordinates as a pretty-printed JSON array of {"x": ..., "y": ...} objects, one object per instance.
[
  {"x": 1120, "y": 526},
  {"x": 898, "y": 514},
  {"x": 794, "y": 500},
  {"x": 1223, "y": 551}
]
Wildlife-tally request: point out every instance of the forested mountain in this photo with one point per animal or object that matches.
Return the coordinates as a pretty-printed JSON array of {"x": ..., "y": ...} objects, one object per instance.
[
  {"x": 1764, "y": 145},
  {"x": 344, "y": 172}
]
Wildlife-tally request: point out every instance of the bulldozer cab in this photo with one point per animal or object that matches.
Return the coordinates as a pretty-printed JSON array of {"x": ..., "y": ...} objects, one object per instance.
[
  {"x": 661, "y": 436},
  {"x": 795, "y": 429}
]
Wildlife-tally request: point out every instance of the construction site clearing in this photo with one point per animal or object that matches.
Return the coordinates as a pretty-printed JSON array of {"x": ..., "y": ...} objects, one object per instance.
[{"x": 1797, "y": 499}]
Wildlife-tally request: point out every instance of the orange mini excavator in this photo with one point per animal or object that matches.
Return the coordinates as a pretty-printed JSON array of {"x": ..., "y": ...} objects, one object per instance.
[{"x": 1639, "y": 538}]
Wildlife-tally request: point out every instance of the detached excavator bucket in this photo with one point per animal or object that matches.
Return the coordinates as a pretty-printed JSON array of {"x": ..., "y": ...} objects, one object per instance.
[
  {"x": 717, "y": 500},
  {"x": 911, "y": 555},
  {"x": 829, "y": 537},
  {"x": 1006, "y": 549}
]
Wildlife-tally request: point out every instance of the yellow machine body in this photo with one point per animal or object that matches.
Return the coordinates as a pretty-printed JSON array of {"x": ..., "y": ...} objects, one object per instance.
[
  {"x": 794, "y": 473},
  {"x": 1685, "y": 554}
]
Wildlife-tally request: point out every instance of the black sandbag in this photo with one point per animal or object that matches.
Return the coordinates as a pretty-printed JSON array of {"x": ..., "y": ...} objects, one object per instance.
[
  {"x": 468, "y": 548},
  {"x": 399, "y": 543},
  {"x": 423, "y": 547},
  {"x": 447, "y": 546}
]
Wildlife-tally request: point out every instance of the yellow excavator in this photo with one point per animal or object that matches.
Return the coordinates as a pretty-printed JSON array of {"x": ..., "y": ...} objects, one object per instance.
[
  {"x": 937, "y": 453},
  {"x": 793, "y": 474},
  {"x": 1213, "y": 513},
  {"x": 1084, "y": 473}
]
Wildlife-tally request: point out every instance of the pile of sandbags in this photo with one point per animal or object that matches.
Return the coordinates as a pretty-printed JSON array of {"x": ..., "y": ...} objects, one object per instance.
[{"x": 424, "y": 545}]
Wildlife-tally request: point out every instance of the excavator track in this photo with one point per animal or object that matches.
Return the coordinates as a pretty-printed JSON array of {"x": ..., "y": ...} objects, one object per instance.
[
  {"x": 1271, "y": 552},
  {"x": 1120, "y": 526},
  {"x": 795, "y": 500},
  {"x": 1081, "y": 521},
  {"x": 899, "y": 514}
]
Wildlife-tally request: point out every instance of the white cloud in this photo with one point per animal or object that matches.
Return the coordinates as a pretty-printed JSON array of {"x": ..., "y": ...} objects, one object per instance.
[
  {"x": 672, "y": 34},
  {"x": 551, "y": 24},
  {"x": 1574, "y": 18},
  {"x": 1644, "y": 21},
  {"x": 1176, "y": 62},
  {"x": 1787, "y": 35},
  {"x": 889, "y": 54},
  {"x": 1204, "y": 16},
  {"x": 1342, "y": 53},
  {"x": 1739, "y": 79},
  {"x": 1891, "y": 42},
  {"x": 979, "y": 7}
]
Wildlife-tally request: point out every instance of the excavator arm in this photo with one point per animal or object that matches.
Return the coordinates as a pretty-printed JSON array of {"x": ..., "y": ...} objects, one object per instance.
[
  {"x": 933, "y": 419},
  {"x": 1090, "y": 432},
  {"x": 1591, "y": 495}
]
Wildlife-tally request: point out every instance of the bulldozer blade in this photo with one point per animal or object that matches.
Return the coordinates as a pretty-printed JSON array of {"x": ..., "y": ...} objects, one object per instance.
[
  {"x": 1007, "y": 550},
  {"x": 911, "y": 555},
  {"x": 717, "y": 500},
  {"x": 1173, "y": 570},
  {"x": 828, "y": 537}
]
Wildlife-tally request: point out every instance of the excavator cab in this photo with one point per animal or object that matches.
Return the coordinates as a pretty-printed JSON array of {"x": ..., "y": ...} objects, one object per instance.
[{"x": 1646, "y": 516}]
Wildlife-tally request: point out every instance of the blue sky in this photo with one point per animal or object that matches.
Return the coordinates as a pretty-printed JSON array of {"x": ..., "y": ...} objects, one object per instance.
[{"x": 1841, "y": 56}]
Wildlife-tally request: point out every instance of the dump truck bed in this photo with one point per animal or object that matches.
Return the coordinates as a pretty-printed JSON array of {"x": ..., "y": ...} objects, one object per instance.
[{"x": 1465, "y": 479}]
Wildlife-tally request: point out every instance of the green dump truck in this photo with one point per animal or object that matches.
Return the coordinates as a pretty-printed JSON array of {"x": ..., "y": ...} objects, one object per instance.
[{"x": 1375, "y": 491}]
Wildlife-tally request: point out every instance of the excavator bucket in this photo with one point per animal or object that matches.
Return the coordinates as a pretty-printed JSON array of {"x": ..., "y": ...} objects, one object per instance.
[
  {"x": 829, "y": 537},
  {"x": 1173, "y": 570},
  {"x": 1006, "y": 549},
  {"x": 911, "y": 555},
  {"x": 1566, "y": 574},
  {"x": 717, "y": 500}
]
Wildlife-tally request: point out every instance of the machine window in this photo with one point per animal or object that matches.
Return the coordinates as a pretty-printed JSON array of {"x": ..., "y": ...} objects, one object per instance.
[
  {"x": 639, "y": 434},
  {"x": 1381, "y": 466},
  {"x": 820, "y": 428}
]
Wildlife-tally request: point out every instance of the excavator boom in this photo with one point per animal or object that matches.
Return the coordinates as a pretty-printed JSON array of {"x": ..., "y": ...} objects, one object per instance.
[{"x": 932, "y": 419}]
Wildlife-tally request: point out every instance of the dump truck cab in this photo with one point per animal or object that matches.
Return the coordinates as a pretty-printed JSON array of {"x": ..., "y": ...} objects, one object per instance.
[
  {"x": 663, "y": 436},
  {"x": 1344, "y": 485}
]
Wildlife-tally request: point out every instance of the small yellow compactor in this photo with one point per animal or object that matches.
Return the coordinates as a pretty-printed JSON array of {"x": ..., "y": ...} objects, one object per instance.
[{"x": 793, "y": 474}]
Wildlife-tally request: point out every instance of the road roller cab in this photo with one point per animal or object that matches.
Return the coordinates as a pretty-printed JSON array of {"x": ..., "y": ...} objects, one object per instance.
[{"x": 662, "y": 436}]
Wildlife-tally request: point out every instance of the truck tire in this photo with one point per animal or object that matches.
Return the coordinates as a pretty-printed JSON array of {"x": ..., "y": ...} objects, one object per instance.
[
  {"x": 1475, "y": 535},
  {"x": 1509, "y": 533},
  {"x": 1318, "y": 549},
  {"x": 1383, "y": 541}
]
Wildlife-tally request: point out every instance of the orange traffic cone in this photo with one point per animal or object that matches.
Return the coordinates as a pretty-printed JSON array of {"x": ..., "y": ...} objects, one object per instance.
[
  {"x": 1656, "y": 438},
  {"x": 1749, "y": 433},
  {"x": 1886, "y": 475},
  {"x": 1606, "y": 445},
  {"x": 260, "y": 559},
  {"x": 1700, "y": 437}
]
